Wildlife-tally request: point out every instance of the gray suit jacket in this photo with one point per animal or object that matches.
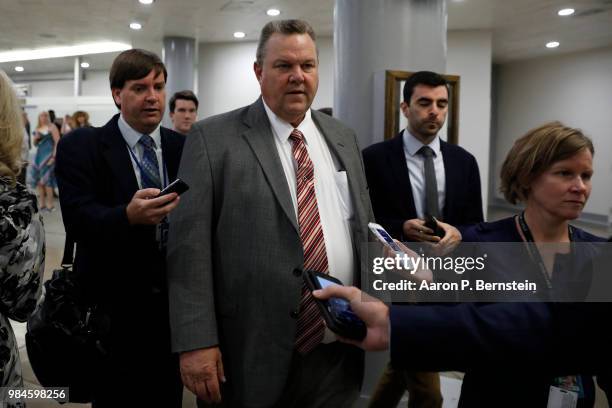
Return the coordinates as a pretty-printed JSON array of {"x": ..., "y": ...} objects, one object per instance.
[{"x": 235, "y": 256}]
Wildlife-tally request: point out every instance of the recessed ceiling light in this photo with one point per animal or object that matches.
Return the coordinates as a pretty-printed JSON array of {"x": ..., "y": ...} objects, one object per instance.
[
  {"x": 67, "y": 51},
  {"x": 135, "y": 26},
  {"x": 273, "y": 12},
  {"x": 566, "y": 12},
  {"x": 147, "y": 2},
  {"x": 552, "y": 44},
  {"x": 84, "y": 64},
  {"x": 19, "y": 69},
  {"x": 239, "y": 34}
]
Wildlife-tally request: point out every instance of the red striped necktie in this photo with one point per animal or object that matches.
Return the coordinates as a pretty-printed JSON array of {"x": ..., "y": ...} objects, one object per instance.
[{"x": 310, "y": 326}]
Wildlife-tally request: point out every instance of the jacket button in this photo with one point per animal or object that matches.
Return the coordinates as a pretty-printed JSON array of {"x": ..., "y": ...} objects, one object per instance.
[
  {"x": 294, "y": 314},
  {"x": 297, "y": 272}
]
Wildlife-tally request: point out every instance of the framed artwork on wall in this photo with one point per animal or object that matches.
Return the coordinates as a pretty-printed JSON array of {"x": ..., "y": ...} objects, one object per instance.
[{"x": 395, "y": 120}]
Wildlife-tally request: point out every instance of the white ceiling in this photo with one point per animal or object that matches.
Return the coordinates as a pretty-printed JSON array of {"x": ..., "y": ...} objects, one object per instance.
[{"x": 520, "y": 27}]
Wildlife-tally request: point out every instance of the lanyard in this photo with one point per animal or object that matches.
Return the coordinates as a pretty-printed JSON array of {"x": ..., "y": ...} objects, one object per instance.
[
  {"x": 165, "y": 178},
  {"x": 534, "y": 253}
]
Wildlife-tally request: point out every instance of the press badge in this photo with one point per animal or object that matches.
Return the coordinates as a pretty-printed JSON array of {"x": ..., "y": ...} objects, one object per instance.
[{"x": 560, "y": 398}]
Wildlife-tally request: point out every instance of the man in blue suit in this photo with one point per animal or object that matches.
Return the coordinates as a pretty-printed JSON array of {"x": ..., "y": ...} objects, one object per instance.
[
  {"x": 109, "y": 179},
  {"x": 413, "y": 176}
]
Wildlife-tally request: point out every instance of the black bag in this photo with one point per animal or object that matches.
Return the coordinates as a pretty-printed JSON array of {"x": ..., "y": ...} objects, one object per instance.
[{"x": 64, "y": 334}]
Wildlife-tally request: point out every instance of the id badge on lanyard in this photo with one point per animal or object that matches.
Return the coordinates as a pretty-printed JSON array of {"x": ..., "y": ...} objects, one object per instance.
[
  {"x": 565, "y": 392},
  {"x": 161, "y": 229},
  {"x": 560, "y": 398}
]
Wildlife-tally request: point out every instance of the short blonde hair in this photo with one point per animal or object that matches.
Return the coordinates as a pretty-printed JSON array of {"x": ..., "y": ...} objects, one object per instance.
[
  {"x": 11, "y": 129},
  {"x": 535, "y": 152}
]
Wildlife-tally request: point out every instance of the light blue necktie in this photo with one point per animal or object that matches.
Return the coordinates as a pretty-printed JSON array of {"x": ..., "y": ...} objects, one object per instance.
[{"x": 149, "y": 172}]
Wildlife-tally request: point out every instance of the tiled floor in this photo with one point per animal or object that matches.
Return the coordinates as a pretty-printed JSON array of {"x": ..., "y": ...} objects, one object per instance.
[{"x": 451, "y": 382}]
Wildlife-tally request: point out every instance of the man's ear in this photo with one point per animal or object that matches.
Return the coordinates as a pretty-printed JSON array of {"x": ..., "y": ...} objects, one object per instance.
[
  {"x": 116, "y": 92},
  {"x": 405, "y": 109},
  {"x": 257, "y": 69}
]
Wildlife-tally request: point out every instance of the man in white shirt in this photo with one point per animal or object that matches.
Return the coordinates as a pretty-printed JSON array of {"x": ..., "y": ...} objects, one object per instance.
[
  {"x": 413, "y": 176},
  {"x": 109, "y": 179},
  {"x": 276, "y": 188}
]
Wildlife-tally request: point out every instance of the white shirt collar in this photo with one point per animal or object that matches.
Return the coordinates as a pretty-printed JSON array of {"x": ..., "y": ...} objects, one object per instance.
[
  {"x": 412, "y": 145},
  {"x": 132, "y": 136},
  {"x": 282, "y": 129}
]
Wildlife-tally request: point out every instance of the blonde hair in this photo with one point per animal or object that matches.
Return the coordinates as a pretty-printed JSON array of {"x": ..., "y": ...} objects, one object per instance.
[
  {"x": 11, "y": 130},
  {"x": 535, "y": 152},
  {"x": 39, "y": 123}
]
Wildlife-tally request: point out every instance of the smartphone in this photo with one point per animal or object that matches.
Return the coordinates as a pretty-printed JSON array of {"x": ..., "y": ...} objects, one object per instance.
[
  {"x": 178, "y": 186},
  {"x": 384, "y": 237},
  {"x": 432, "y": 224},
  {"x": 336, "y": 311}
]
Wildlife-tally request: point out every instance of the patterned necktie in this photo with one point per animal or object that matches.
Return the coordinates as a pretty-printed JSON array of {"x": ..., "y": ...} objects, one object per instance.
[
  {"x": 149, "y": 171},
  {"x": 310, "y": 326},
  {"x": 431, "y": 185}
]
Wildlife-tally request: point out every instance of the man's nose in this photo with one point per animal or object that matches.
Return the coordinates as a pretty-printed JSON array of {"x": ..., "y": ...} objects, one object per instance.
[
  {"x": 297, "y": 75},
  {"x": 152, "y": 94}
]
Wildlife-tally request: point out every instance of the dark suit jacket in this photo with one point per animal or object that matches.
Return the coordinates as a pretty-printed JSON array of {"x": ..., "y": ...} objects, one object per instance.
[
  {"x": 391, "y": 191},
  {"x": 497, "y": 344},
  {"x": 122, "y": 267},
  {"x": 235, "y": 256}
]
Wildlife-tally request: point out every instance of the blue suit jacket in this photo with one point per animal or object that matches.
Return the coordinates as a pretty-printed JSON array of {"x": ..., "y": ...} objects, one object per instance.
[
  {"x": 498, "y": 342},
  {"x": 391, "y": 191}
]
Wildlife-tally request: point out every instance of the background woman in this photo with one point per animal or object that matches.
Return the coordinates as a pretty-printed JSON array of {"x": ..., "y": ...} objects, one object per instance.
[
  {"x": 22, "y": 248},
  {"x": 81, "y": 119},
  {"x": 46, "y": 137},
  {"x": 549, "y": 170}
]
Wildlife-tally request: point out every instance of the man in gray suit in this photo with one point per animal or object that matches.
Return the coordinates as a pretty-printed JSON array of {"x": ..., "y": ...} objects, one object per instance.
[{"x": 276, "y": 188}]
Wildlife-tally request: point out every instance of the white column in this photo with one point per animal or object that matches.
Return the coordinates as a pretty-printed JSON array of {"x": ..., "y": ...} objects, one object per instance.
[
  {"x": 77, "y": 76},
  {"x": 371, "y": 36},
  {"x": 179, "y": 56}
]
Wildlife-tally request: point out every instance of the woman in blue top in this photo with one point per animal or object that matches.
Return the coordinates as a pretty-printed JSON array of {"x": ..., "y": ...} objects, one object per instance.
[
  {"x": 549, "y": 170},
  {"x": 46, "y": 137}
]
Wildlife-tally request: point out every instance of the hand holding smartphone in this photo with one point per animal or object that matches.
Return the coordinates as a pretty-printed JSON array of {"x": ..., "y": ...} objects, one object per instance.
[
  {"x": 178, "y": 186},
  {"x": 432, "y": 224},
  {"x": 384, "y": 237},
  {"x": 336, "y": 311}
]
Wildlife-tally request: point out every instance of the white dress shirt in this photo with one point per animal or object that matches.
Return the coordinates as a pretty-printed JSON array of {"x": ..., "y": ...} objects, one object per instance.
[
  {"x": 131, "y": 137},
  {"x": 332, "y": 192},
  {"x": 416, "y": 171},
  {"x": 331, "y": 189}
]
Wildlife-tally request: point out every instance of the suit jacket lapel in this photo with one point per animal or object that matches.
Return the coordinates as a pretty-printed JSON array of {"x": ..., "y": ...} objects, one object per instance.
[
  {"x": 340, "y": 145},
  {"x": 171, "y": 148},
  {"x": 118, "y": 158},
  {"x": 453, "y": 178},
  {"x": 399, "y": 168},
  {"x": 261, "y": 140}
]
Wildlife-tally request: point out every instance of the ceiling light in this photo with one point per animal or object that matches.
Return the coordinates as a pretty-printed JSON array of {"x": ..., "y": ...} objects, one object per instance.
[
  {"x": 552, "y": 44},
  {"x": 273, "y": 12},
  {"x": 135, "y": 26},
  {"x": 566, "y": 12},
  {"x": 84, "y": 64},
  {"x": 239, "y": 34},
  {"x": 147, "y": 2},
  {"x": 66, "y": 51},
  {"x": 19, "y": 69}
]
